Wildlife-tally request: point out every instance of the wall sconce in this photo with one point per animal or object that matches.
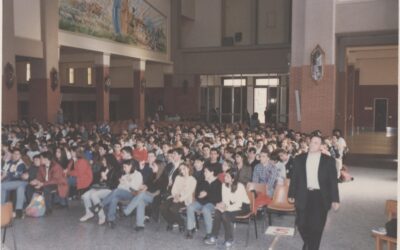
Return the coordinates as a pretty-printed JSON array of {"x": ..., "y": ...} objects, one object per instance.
[
  {"x": 107, "y": 83},
  {"x": 142, "y": 85},
  {"x": 53, "y": 79},
  {"x": 273, "y": 100},
  {"x": 9, "y": 75}
]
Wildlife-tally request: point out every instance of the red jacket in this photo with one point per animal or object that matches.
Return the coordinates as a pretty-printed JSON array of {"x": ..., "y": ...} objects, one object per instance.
[
  {"x": 82, "y": 171},
  {"x": 55, "y": 177},
  {"x": 140, "y": 155}
]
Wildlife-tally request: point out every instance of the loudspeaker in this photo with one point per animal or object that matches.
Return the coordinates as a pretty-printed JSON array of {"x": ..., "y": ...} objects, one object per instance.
[{"x": 238, "y": 36}]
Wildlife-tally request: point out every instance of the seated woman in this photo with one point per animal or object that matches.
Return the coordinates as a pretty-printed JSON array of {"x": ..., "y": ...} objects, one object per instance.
[
  {"x": 234, "y": 202},
  {"x": 181, "y": 196},
  {"x": 79, "y": 171},
  {"x": 128, "y": 186},
  {"x": 108, "y": 180},
  {"x": 243, "y": 168},
  {"x": 226, "y": 165},
  {"x": 156, "y": 187},
  {"x": 49, "y": 178}
]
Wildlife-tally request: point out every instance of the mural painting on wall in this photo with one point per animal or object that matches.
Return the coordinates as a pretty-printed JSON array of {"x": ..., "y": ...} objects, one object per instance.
[{"x": 133, "y": 22}]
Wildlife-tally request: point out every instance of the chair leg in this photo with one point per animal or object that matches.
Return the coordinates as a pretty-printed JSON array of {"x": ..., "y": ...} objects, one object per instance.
[
  {"x": 378, "y": 245},
  {"x": 255, "y": 226},
  {"x": 4, "y": 235},
  {"x": 248, "y": 232},
  {"x": 14, "y": 237},
  {"x": 269, "y": 218}
]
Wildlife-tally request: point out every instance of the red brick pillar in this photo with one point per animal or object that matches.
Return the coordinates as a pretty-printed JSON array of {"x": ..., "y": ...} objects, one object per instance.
[
  {"x": 102, "y": 79},
  {"x": 139, "y": 88},
  {"x": 316, "y": 98}
]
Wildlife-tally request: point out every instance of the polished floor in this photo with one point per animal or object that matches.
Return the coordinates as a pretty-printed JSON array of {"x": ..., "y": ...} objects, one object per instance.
[
  {"x": 375, "y": 143},
  {"x": 362, "y": 208}
]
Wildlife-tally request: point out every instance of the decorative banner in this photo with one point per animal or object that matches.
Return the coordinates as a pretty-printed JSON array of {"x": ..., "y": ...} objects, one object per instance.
[
  {"x": 133, "y": 22},
  {"x": 317, "y": 63}
]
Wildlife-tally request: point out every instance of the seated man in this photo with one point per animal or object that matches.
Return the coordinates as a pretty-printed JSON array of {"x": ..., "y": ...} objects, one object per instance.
[
  {"x": 265, "y": 173},
  {"x": 50, "y": 177},
  {"x": 30, "y": 176},
  {"x": 208, "y": 194},
  {"x": 11, "y": 179}
]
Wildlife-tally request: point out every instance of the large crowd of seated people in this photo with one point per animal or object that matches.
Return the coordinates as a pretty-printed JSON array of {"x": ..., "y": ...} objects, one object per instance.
[{"x": 168, "y": 171}]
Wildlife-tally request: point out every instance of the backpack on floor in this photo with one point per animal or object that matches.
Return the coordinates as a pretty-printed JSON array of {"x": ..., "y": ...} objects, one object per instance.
[{"x": 36, "y": 207}]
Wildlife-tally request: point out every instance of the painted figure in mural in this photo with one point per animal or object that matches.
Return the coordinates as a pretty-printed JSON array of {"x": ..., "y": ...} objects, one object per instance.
[
  {"x": 125, "y": 16},
  {"x": 116, "y": 15}
]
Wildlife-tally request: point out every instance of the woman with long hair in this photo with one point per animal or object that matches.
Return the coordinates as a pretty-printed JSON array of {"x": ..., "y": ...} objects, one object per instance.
[
  {"x": 157, "y": 186},
  {"x": 243, "y": 168},
  {"x": 181, "y": 196},
  {"x": 108, "y": 180},
  {"x": 235, "y": 201}
]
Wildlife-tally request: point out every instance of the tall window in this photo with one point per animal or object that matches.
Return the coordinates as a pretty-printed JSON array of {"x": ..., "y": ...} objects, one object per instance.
[
  {"x": 28, "y": 72},
  {"x": 89, "y": 76},
  {"x": 71, "y": 76}
]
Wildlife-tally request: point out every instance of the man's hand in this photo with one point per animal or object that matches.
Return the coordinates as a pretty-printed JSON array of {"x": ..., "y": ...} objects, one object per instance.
[
  {"x": 335, "y": 206},
  {"x": 291, "y": 200}
]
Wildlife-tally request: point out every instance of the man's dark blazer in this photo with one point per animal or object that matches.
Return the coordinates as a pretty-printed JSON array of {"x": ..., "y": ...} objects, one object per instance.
[{"x": 327, "y": 177}]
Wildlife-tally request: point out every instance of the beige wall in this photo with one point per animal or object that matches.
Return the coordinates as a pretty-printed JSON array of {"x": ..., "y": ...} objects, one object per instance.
[
  {"x": 273, "y": 22},
  {"x": 366, "y": 15},
  {"x": 238, "y": 15},
  {"x": 205, "y": 29},
  {"x": 378, "y": 71},
  {"x": 27, "y": 19}
]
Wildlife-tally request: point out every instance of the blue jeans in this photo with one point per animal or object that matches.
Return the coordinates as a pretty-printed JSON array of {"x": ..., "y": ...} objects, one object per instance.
[
  {"x": 139, "y": 202},
  {"x": 14, "y": 185},
  {"x": 207, "y": 210},
  {"x": 111, "y": 201},
  {"x": 72, "y": 181}
]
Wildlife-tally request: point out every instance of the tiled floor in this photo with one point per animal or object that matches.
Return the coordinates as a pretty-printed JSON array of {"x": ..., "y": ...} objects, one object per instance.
[{"x": 362, "y": 207}]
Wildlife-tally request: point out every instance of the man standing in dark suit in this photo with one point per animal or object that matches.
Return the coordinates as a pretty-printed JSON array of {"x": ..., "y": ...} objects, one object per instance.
[{"x": 314, "y": 190}]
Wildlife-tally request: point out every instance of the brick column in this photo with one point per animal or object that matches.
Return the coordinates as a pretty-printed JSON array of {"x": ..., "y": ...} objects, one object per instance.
[
  {"x": 9, "y": 93},
  {"x": 315, "y": 25},
  {"x": 44, "y": 97},
  {"x": 102, "y": 72},
  {"x": 139, "y": 68}
]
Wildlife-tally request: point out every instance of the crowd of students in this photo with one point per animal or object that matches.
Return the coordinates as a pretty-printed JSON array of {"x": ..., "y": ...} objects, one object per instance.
[{"x": 159, "y": 170}]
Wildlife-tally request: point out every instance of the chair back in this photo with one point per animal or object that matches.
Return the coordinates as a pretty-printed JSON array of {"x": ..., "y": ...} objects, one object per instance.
[
  {"x": 251, "y": 195},
  {"x": 258, "y": 187},
  {"x": 6, "y": 214},
  {"x": 391, "y": 209},
  {"x": 281, "y": 195}
]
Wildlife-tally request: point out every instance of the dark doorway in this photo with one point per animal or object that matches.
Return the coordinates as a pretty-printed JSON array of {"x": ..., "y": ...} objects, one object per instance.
[{"x": 380, "y": 109}]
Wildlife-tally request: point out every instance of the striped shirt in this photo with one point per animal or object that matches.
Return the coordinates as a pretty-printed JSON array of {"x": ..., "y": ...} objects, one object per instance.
[{"x": 268, "y": 174}]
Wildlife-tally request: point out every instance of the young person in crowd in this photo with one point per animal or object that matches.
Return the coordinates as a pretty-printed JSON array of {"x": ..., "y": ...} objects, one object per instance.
[
  {"x": 235, "y": 201},
  {"x": 181, "y": 196},
  {"x": 207, "y": 195}
]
